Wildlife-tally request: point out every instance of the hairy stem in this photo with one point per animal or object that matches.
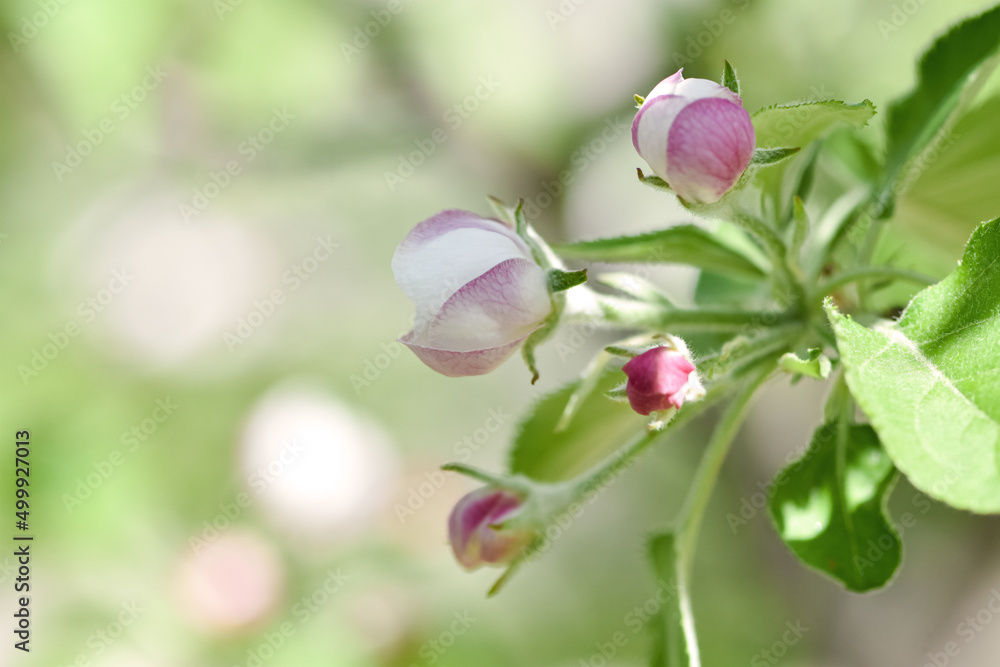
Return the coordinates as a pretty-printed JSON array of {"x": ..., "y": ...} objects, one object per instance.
[
  {"x": 689, "y": 520},
  {"x": 872, "y": 273},
  {"x": 625, "y": 313},
  {"x": 785, "y": 277}
]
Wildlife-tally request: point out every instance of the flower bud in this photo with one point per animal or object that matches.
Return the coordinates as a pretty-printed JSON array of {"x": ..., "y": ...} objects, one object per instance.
[
  {"x": 659, "y": 379},
  {"x": 695, "y": 135},
  {"x": 471, "y": 533},
  {"x": 478, "y": 292}
]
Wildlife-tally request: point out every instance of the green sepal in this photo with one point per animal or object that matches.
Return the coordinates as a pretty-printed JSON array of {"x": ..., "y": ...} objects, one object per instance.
[
  {"x": 560, "y": 281},
  {"x": 653, "y": 181},
  {"x": 729, "y": 79}
]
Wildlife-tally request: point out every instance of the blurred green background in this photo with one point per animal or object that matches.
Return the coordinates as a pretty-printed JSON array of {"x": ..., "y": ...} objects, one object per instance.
[{"x": 232, "y": 461}]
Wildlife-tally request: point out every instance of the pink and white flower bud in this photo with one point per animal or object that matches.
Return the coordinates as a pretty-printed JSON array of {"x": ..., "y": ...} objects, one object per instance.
[
  {"x": 660, "y": 379},
  {"x": 695, "y": 135},
  {"x": 474, "y": 540},
  {"x": 478, "y": 292}
]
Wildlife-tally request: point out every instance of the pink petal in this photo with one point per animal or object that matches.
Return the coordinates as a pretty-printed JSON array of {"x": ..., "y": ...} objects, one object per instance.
[
  {"x": 506, "y": 303},
  {"x": 473, "y": 541},
  {"x": 710, "y": 145},
  {"x": 668, "y": 86},
  {"x": 656, "y": 378},
  {"x": 651, "y": 130},
  {"x": 446, "y": 251},
  {"x": 462, "y": 364}
]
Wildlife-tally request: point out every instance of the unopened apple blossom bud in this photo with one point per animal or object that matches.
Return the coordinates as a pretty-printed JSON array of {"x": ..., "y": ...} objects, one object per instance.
[
  {"x": 473, "y": 532},
  {"x": 695, "y": 135},
  {"x": 479, "y": 293},
  {"x": 660, "y": 379}
]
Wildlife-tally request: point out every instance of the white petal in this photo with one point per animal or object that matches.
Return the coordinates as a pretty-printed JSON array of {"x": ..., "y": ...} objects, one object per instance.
[
  {"x": 668, "y": 86},
  {"x": 503, "y": 305},
  {"x": 696, "y": 89},
  {"x": 430, "y": 269},
  {"x": 652, "y": 128}
]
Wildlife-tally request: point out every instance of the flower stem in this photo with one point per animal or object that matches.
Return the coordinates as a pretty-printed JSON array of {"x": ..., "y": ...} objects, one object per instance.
[
  {"x": 777, "y": 250},
  {"x": 641, "y": 315},
  {"x": 691, "y": 514},
  {"x": 871, "y": 273}
]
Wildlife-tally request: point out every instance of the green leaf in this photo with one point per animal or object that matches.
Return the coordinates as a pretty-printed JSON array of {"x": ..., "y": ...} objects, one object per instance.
[
  {"x": 948, "y": 76},
  {"x": 799, "y": 125},
  {"x": 560, "y": 281},
  {"x": 929, "y": 383},
  {"x": 635, "y": 287},
  {"x": 763, "y": 157},
  {"x": 673, "y": 621},
  {"x": 598, "y": 429},
  {"x": 956, "y": 188},
  {"x": 829, "y": 507},
  {"x": 729, "y": 79},
  {"x": 816, "y": 366},
  {"x": 854, "y": 153},
  {"x": 684, "y": 244}
]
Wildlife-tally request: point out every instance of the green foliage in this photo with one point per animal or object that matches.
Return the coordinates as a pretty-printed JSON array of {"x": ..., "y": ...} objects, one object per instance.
[
  {"x": 763, "y": 157},
  {"x": 929, "y": 382},
  {"x": 600, "y": 426},
  {"x": 801, "y": 124},
  {"x": 817, "y": 365},
  {"x": 949, "y": 74},
  {"x": 686, "y": 244},
  {"x": 829, "y": 507},
  {"x": 560, "y": 281},
  {"x": 798, "y": 125},
  {"x": 670, "y": 644}
]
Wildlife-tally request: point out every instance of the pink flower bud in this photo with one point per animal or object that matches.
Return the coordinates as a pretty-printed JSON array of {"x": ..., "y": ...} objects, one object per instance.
[
  {"x": 695, "y": 135},
  {"x": 659, "y": 379},
  {"x": 478, "y": 292},
  {"x": 472, "y": 538}
]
